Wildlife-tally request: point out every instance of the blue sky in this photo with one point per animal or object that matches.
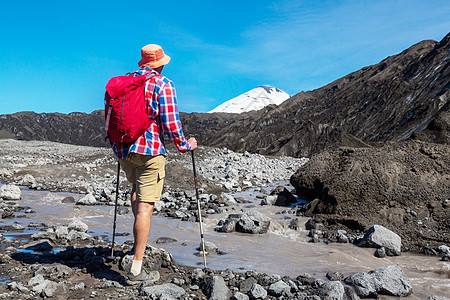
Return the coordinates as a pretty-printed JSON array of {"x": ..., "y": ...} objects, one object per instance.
[{"x": 57, "y": 56}]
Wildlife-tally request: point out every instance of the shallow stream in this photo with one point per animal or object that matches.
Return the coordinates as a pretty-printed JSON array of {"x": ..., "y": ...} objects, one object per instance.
[{"x": 283, "y": 251}]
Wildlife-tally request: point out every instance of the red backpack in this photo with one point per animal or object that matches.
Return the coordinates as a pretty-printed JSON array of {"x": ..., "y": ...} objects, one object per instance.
[{"x": 126, "y": 112}]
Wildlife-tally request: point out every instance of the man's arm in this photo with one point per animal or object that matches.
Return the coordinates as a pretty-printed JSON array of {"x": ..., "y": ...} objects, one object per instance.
[{"x": 170, "y": 118}]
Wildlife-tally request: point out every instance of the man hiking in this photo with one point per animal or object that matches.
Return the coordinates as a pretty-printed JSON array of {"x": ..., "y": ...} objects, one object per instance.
[{"x": 143, "y": 160}]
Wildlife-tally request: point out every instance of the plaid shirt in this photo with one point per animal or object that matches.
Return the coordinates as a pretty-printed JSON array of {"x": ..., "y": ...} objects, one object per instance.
[{"x": 161, "y": 97}]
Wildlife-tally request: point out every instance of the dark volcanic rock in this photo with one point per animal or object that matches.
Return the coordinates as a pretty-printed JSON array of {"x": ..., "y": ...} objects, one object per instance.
[
  {"x": 438, "y": 131},
  {"x": 359, "y": 187}
]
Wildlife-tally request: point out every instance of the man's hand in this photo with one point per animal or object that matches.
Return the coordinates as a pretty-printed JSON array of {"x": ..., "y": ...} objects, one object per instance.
[{"x": 193, "y": 142}]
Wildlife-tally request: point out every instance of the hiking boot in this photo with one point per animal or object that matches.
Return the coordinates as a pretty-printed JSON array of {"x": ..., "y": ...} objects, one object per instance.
[{"x": 152, "y": 276}]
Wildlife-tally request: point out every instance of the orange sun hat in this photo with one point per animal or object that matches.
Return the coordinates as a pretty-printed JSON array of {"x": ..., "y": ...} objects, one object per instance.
[{"x": 153, "y": 56}]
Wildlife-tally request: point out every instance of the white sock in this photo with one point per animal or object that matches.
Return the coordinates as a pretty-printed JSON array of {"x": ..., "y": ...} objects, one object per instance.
[{"x": 136, "y": 267}]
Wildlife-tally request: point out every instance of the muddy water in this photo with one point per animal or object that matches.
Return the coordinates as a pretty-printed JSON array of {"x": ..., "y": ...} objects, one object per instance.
[{"x": 283, "y": 251}]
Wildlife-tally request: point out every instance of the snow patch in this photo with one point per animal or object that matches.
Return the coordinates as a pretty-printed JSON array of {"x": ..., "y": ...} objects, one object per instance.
[{"x": 254, "y": 99}]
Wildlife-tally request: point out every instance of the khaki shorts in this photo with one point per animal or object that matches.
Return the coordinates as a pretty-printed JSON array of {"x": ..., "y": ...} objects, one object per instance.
[{"x": 148, "y": 173}]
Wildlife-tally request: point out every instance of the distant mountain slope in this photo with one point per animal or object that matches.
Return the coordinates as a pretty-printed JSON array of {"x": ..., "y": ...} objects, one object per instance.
[
  {"x": 254, "y": 99},
  {"x": 388, "y": 101},
  {"x": 74, "y": 128},
  {"x": 405, "y": 95}
]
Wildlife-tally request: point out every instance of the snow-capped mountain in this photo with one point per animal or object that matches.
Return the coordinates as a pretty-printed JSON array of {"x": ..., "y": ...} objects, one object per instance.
[{"x": 255, "y": 99}]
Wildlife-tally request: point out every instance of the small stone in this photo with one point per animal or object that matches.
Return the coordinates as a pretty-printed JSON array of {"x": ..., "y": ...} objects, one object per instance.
[
  {"x": 89, "y": 199},
  {"x": 214, "y": 287},
  {"x": 8, "y": 215},
  {"x": 434, "y": 297},
  {"x": 10, "y": 192},
  {"x": 257, "y": 292},
  {"x": 80, "y": 286},
  {"x": 279, "y": 288},
  {"x": 157, "y": 291},
  {"x": 335, "y": 276},
  {"x": 110, "y": 284},
  {"x": 77, "y": 235},
  {"x": 380, "y": 252},
  {"x": 165, "y": 240},
  {"x": 78, "y": 225},
  {"x": 28, "y": 180},
  {"x": 239, "y": 296},
  {"x": 443, "y": 249},
  {"x": 61, "y": 232},
  {"x": 198, "y": 275},
  {"x": 17, "y": 227},
  {"x": 69, "y": 199},
  {"x": 332, "y": 290},
  {"x": 122, "y": 210},
  {"x": 209, "y": 247},
  {"x": 246, "y": 285},
  {"x": 294, "y": 224}
]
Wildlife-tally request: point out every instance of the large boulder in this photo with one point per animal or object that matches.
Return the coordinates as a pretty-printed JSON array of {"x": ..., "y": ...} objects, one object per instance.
[
  {"x": 10, "y": 192},
  {"x": 252, "y": 221},
  {"x": 391, "y": 280},
  {"x": 400, "y": 185},
  {"x": 378, "y": 236},
  {"x": 388, "y": 280}
]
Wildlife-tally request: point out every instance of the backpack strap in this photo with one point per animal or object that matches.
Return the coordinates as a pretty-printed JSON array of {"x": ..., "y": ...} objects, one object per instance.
[{"x": 150, "y": 75}]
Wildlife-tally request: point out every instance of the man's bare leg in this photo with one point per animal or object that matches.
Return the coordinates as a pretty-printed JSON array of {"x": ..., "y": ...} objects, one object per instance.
[{"x": 141, "y": 229}]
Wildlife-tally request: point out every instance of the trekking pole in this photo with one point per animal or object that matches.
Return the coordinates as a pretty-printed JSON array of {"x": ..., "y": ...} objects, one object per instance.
[
  {"x": 115, "y": 212},
  {"x": 199, "y": 211}
]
